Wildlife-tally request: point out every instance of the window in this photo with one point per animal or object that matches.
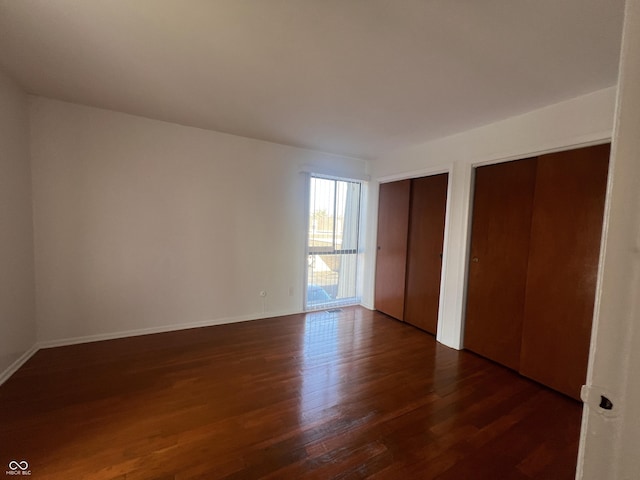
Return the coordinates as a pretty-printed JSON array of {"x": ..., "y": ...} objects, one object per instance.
[{"x": 332, "y": 242}]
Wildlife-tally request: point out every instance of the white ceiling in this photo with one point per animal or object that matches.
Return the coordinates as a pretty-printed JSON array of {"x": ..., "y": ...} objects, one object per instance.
[{"x": 356, "y": 77}]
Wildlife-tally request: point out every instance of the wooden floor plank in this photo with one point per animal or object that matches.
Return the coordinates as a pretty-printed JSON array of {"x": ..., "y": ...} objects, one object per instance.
[{"x": 348, "y": 394}]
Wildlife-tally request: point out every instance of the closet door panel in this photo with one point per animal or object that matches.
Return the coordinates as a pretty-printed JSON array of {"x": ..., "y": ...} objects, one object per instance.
[
  {"x": 391, "y": 259},
  {"x": 424, "y": 258},
  {"x": 501, "y": 227},
  {"x": 563, "y": 264}
]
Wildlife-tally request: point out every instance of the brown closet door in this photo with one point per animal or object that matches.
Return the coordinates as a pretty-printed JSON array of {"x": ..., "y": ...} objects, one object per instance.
[
  {"x": 498, "y": 262},
  {"x": 424, "y": 258},
  {"x": 393, "y": 225},
  {"x": 563, "y": 264}
]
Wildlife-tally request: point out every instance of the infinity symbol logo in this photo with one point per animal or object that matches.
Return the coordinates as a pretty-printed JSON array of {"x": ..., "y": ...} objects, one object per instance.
[{"x": 23, "y": 465}]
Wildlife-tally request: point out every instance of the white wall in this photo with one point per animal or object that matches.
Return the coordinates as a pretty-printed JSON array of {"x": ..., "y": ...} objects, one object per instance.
[
  {"x": 142, "y": 225},
  {"x": 611, "y": 439},
  {"x": 580, "y": 121},
  {"x": 17, "y": 299}
]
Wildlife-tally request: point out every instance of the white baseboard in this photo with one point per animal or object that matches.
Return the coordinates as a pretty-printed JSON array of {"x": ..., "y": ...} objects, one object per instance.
[
  {"x": 368, "y": 306},
  {"x": 160, "y": 329},
  {"x": 4, "y": 376},
  {"x": 11, "y": 369}
]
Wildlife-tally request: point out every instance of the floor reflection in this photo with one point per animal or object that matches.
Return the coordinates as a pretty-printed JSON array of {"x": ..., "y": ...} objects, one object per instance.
[{"x": 326, "y": 335}]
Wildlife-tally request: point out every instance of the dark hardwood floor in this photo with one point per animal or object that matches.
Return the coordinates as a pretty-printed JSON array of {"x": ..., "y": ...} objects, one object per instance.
[{"x": 352, "y": 394}]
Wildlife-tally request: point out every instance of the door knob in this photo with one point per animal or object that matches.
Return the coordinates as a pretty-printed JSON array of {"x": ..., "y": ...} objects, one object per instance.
[{"x": 475, "y": 260}]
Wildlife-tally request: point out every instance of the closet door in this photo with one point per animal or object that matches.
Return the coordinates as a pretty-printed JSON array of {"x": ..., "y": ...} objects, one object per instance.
[
  {"x": 424, "y": 258},
  {"x": 498, "y": 262},
  {"x": 563, "y": 264},
  {"x": 391, "y": 260}
]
